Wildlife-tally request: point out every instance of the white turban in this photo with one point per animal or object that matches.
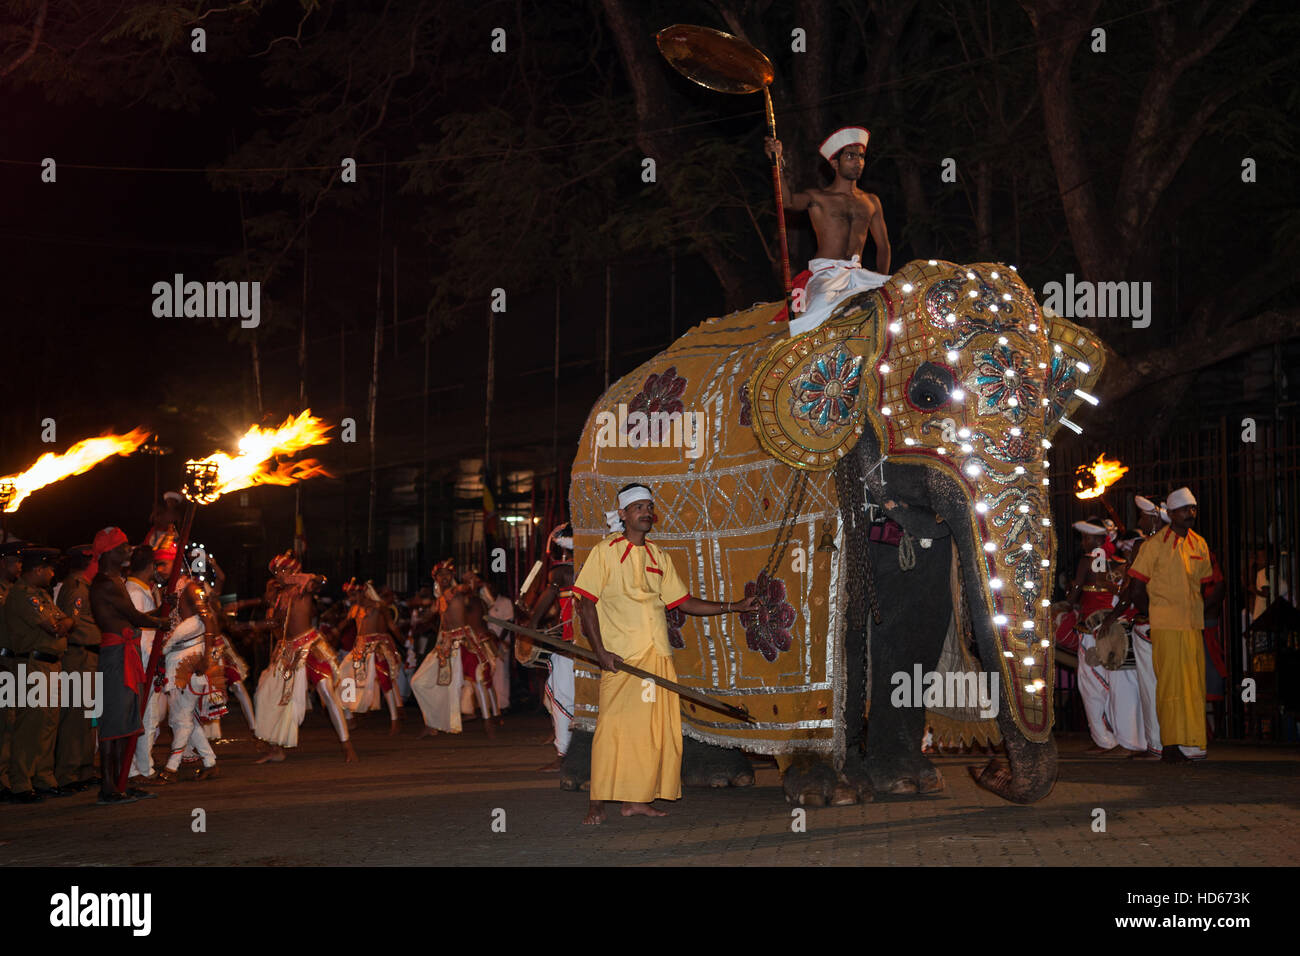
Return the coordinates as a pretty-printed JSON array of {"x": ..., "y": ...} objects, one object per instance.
[
  {"x": 841, "y": 138},
  {"x": 1087, "y": 527},
  {"x": 1164, "y": 515},
  {"x": 625, "y": 498},
  {"x": 1180, "y": 499},
  {"x": 1145, "y": 505}
]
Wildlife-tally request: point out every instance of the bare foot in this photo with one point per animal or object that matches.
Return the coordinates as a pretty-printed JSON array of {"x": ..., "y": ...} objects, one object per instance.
[
  {"x": 426, "y": 731},
  {"x": 642, "y": 810},
  {"x": 595, "y": 813},
  {"x": 395, "y": 728},
  {"x": 553, "y": 766},
  {"x": 349, "y": 755},
  {"x": 274, "y": 755}
]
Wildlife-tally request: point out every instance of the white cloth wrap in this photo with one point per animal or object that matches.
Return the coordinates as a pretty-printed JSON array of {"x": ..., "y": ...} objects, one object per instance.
[
  {"x": 832, "y": 280},
  {"x": 439, "y": 705}
]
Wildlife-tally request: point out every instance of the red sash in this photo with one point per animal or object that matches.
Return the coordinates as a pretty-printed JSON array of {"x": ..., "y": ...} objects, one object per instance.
[{"x": 133, "y": 666}]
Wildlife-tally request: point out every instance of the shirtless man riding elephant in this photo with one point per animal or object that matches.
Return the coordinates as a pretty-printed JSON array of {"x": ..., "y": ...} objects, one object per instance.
[{"x": 842, "y": 216}]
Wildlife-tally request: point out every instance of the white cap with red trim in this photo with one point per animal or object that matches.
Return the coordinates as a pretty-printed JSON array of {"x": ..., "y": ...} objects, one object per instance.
[{"x": 841, "y": 138}]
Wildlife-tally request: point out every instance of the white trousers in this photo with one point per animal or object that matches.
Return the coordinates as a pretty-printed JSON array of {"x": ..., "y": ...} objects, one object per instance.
[
  {"x": 559, "y": 695},
  {"x": 142, "y": 763},
  {"x": 439, "y": 704},
  {"x": 1112, "y": 702},
  {"x": 186, "y": 729},
  {"x": 1146, "y": 671}
]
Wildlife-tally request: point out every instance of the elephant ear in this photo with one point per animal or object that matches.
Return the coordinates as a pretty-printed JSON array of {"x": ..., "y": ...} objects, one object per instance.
[
  {"x": 814, "y": 394},
  {"x": 1074, "y": 366}
]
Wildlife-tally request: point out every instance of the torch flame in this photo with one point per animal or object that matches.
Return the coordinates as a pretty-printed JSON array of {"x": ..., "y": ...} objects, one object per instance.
[
  {"x": 1103, "y": 473},
  {"x": 77, "y": 460},
  {"x": 254, "y": 465}
]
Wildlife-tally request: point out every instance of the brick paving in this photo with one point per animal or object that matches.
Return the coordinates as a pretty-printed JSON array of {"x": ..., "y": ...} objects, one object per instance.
[{"x": 421, "y": 802}]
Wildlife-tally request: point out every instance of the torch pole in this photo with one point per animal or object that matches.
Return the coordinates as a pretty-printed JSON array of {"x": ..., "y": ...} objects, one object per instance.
[{"x": 780, "y": 201}]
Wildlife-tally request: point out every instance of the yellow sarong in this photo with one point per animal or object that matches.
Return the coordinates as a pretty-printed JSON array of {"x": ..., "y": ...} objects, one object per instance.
[
  {"x": 636, "y": 755},
  {"x": 1179, "y": 658}
]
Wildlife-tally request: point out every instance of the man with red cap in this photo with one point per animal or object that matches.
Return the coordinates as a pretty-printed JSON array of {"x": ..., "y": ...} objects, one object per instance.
[
  {"x": 842, "y": 216},
  {"x": 119, "y": 661}
]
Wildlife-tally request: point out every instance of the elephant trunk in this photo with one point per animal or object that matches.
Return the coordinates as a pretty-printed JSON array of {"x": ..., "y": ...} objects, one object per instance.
[{"x": 1032, "y": 772}]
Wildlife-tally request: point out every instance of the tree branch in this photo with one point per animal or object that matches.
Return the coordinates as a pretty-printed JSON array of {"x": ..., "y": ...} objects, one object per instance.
[{"x": 37, "y": 29}]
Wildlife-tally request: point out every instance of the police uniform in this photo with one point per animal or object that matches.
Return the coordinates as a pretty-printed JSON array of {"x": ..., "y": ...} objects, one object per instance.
[
  {"x": 7, "y": 714},
  {"x": 32, "y": 619},
  {"x": 74, "y": 754}
]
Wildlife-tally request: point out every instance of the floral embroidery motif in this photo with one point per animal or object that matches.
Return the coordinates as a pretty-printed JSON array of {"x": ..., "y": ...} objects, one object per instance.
[
  {"x": 825, "y": 395},
  {"x": 1001, "y": 380},
  {"x": 676, "y": 619},
  {"x": 767, "y": 629},
  {"x": 662, "y": 392}
]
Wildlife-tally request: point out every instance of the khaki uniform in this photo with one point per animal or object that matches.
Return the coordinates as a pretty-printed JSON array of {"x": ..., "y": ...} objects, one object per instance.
[
  {"x": 74, "y": 754},
  {"x": 7, "y": 714},
  {"x": 28, "y": 612}
]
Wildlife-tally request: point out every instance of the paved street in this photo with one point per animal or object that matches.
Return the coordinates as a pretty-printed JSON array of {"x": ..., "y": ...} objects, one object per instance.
[{"x": 434, "y": 802}]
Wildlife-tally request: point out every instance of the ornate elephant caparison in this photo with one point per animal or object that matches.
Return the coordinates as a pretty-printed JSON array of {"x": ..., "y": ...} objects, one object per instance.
[{"x": 931, "y": 402}]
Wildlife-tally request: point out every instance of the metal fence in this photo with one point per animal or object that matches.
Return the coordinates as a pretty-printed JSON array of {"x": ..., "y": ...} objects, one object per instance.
[{"x": 1246, "y": 479}]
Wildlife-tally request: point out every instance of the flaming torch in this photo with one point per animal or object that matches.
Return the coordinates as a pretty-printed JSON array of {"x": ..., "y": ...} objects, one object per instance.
[
  {"x": 77, "y": 460},
  {"x": 1093, "y": 480}
]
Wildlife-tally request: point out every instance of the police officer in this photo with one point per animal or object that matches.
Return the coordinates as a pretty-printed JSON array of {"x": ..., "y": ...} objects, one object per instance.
[
  {"x": 10, "y": 567},
  {"x": 38, "y": 634},
  {"x": 74, "y": 753}
]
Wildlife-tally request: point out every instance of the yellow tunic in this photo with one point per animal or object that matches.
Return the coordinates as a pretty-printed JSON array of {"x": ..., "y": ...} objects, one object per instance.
[
  {"x": 637, "y": 751},
  {"x": 1174, "y": 570}
]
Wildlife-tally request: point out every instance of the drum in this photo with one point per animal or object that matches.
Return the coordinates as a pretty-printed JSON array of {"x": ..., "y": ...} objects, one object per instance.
[{"x": 1113, "y": 645}]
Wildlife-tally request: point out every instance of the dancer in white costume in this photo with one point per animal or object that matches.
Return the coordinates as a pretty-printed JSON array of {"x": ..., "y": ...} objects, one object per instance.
[
  {"x": 559, "y": 682},
  {"x": 438, "y": 681},
  {"x": 189, "y": 690},
  {"x": 373, "y": 663},
  {"x": 301, "y": 661}
]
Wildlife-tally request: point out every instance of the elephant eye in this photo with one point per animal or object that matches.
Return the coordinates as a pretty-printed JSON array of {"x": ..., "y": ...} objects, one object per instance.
[{"x": 930, "y": 386}]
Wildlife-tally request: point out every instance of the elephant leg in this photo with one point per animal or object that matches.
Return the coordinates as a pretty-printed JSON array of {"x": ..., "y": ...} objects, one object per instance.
[
  {"x": 915, "y": 607},
  {"x": 575, "y": 771},
  {"x": 705, "y": 765}
]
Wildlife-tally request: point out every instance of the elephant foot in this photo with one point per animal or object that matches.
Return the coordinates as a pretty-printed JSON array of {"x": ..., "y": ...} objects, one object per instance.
[
  {"x": 917, "y": 778},
  {"x": 811, "y": 782},
  {"x": 704, "y": 765},
  {"x": 996, "y": 777}
]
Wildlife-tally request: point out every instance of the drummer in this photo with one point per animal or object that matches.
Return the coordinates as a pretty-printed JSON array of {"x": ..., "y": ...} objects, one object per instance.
[{"x": 1110, "y": 697}]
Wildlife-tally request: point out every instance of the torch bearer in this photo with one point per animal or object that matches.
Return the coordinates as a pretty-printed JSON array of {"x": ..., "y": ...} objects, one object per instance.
[{"x": 727, "y": 64}]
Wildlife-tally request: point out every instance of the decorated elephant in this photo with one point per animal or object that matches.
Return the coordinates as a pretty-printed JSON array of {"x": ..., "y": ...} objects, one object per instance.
[{"x": 880, "y": 483}]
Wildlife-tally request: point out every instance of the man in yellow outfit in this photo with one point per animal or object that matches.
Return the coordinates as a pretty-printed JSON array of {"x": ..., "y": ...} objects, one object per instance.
[
  {"x": 1167, "y": 577},
  {"x": 626, "y": 585}
]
